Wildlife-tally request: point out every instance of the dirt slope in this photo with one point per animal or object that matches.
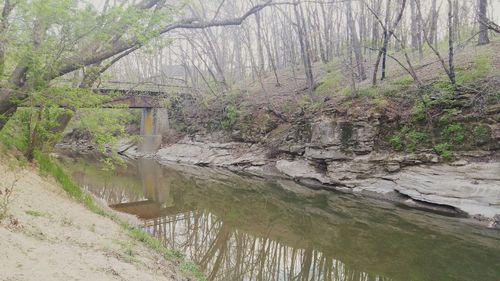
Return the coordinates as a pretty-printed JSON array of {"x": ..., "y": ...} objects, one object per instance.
[{"x": 49, "y": 236}]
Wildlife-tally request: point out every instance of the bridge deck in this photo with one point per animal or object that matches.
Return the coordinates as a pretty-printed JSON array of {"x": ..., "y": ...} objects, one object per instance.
[{"x": 136, "y": 102}]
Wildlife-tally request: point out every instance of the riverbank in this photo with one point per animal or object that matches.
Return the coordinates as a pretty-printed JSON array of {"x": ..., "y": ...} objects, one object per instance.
[
  {"x": 433, "y": 146},
  {"x": 237, "y": 226},
  {"x": 47, "y": 235},
  {"x": 463, "y": 188}
]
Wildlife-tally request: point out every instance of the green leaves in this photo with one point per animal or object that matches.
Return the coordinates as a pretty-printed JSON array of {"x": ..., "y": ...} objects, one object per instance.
[{"x": 408, "y": 139}]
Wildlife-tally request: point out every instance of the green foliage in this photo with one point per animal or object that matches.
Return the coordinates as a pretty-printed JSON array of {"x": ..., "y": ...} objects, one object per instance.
[
  {"x": 34, "y": 213},
  {"x": 15, "y": 133},
  {"x": 187, "y": 267},
  {"x": 306, "y": 104},
  {"x": 419, "y": 110},
  {"x": 415, "y": 138},
  {"x": 105, "y": 125},
  {"x": 443, "y": 85},
  {"x": 380, "y": 102},
  {"x": 396, "y": 143},
  {"x": 408, "y": 139},
  {"x": 69, "y": 97},
  {"x": 69, "y": 27},
  {"x": 6, "y": 194},
  {"x": 152, "y": 242},
  {"x": 331, "y": 82},
  {"x": 368, "y": 92},
  {"x": 230, "y": 117},
  {"x": 481, "y": 134},
  {"x": 453, "y": 133},
  {"x": 481, "y": 131},
  {"x": 444, "y": 149},
  {"x": 49, "y": 167},
  {"x": 481, "y": 68},
  {"x": 447, "y": 115},
  {"x": 403, "y": 81},
  {"x": 387, "y": 88},
  {"x": 193, "y": 270},
  {"x": 38, "y": 124}
]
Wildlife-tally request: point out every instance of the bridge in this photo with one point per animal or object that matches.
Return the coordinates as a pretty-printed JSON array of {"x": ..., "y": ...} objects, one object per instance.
[
  {"x": 148, "y": 96},
  {"x": 151, "y": 98}
]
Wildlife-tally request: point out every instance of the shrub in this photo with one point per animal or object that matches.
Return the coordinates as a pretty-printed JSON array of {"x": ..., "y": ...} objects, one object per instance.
[
  {"x": 419, "y": 111},
  {"x": 6, "y": 190},
  {"x": 396, "y": 143},
  {"x": 230, "y": 116},
  {"x": 443, "y": 149},
  {"x": 453, "y": 133},
  {"x": 408, "y": 139},
  {"x": 414, "y": 138},
  {"x": 481, "y": 133}
]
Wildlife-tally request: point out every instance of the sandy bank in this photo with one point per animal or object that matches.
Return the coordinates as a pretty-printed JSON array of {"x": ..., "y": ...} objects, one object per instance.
[{"x": 49, "y": 236}]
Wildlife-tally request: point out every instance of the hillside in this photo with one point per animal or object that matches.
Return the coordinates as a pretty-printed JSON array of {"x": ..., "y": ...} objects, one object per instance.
[{"x": 432, "y": 113}]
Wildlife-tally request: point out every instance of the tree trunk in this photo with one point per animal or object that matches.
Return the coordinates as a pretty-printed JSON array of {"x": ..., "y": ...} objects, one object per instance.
[
  {"x": 386, "y": 38},
  {"x": 356, "y": 45},
  {"x": 304, "y": 50},
  {"x": 375, "y": 27},
  {"x": 260, "y": 51},
  {"x": 483, "y": 19},
  {"x": 388, "y": 33},
  {"x": 451, "y": 53},
  {"x": 414, "y": 26}
]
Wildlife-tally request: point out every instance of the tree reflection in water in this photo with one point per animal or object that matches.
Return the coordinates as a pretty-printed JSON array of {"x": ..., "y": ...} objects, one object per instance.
[
  {"x": 243, "y": 228},
  {"x": 226, "y": 254}
]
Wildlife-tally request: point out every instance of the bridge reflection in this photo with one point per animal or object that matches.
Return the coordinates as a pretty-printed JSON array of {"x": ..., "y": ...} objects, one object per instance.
[{"x": 240, "y": 228}]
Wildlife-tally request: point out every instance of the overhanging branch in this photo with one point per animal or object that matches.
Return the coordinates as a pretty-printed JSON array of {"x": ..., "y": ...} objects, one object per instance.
[{"x": 121, "y": 46}]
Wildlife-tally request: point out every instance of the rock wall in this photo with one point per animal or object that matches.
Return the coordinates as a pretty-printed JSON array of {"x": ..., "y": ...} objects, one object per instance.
[{"x": 348, "y": 155}]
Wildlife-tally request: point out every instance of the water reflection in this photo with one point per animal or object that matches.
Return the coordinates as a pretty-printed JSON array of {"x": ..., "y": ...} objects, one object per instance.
[
  {"x": 225, "y": 253},
  {"x": 240, "y": 228}
]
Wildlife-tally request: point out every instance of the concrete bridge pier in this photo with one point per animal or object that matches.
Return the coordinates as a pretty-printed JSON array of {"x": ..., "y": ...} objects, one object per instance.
[{"x": 154, "y": 124}]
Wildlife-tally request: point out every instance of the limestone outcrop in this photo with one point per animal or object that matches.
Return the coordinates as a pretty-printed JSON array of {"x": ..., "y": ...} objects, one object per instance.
[{"x": 346, "y": 155}]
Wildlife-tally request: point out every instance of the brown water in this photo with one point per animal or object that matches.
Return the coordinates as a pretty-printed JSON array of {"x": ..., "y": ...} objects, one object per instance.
[{"x": 243, "y": 228}]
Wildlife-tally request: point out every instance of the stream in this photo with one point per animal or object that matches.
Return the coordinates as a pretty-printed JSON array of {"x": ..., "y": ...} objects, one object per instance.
[{"x": 237, "y": 227}]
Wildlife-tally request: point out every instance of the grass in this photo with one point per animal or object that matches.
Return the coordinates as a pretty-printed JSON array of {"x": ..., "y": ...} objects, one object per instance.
[
  {"x": 152, "y": 242},
  {"x": 15, "y": 140},
  {"x": 444, "y": 150},
  {"x": 47, "y": 166},
  {"x": 193, "y": 270},
  {"x": 128, "y": 251},
  {"x": 408, "y": 139},
  {"x": 481, "y": 68},
  {"x": 7, "y": 186},
  {"x": 331, "y": 82},
  {"x": 36, "y": 233},
  {"x": 36, "y": 214},
  {"x": 13, "y": 135}
]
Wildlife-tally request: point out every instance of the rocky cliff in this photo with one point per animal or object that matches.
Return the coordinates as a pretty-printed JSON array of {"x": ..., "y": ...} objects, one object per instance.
[{"x": 354, "y": 155}]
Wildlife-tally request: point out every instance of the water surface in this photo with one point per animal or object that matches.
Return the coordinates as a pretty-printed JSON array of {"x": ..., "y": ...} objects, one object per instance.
[{"x": 243, "y": 228}]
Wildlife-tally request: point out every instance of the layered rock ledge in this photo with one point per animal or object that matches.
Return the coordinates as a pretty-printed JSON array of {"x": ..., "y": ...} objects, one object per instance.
[{"x": 344, "y": 155}]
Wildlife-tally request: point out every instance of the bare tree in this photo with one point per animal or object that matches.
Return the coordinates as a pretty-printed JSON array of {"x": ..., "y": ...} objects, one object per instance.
[
  {"x": 388, "y": 33},
  {"x": 451, "y": 53},
  {"x": 304, "y": 46},
  {"x": 483, "y": 19},
  {"x": 450, "y": 72},
  {"x": 119, "y": 44},
  {"x": 354, "y": 40}
]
